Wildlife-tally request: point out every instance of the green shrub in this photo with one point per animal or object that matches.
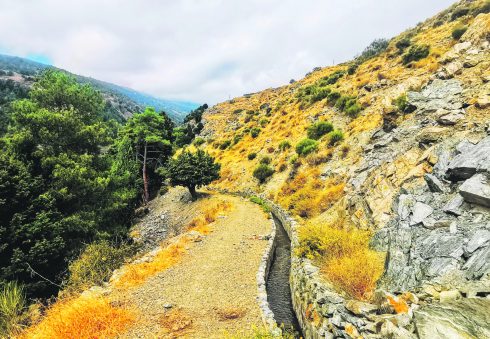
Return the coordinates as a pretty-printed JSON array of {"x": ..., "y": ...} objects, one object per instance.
[
  {"x": 252, "y": 156},
  {"x": 401, "y": 103},
  {"x": 12, "y": 306},
  {"x": 484, "y": 8},
  {"x": 254, "y": 132},
  {"x": 259, "y": 201},
  {"x": 332, "y": 78},
  {"x": 333, "y": 97},
  {"x": 403, "y": 44},
  {"x": 265, "y": 160},
  {"x": 96, "y": 264},
  {"x": 262, "y": 172},
  {"x": 198, "y": 141},
  {"x": 415, "y": 53},
  {"x": 293, "y": 159},
  {"x": 458, "y": 13},
  {"x": 352, "y": 68},
  {"x": 458, "y": 32},
  {"x": 306, "y": 146},
  {"x": 353, "y": 109},
  {"x": 335, "y": 137},
  {"x": 319, "y": 129},
  {"x": 284, "y": 145},
  {"x": 225, "y": 144},
  {"x": 237, "y": 138},
  {"x": 263, "y": 122}
]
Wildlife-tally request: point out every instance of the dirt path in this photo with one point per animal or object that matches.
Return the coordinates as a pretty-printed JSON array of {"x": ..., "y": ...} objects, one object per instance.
[{"x": 213, "y": 288}]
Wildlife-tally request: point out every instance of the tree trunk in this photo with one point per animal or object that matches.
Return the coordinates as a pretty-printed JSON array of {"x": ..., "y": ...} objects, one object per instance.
[
  {"x": 192, "y": 191},
  {"x": 146, "y": 193}
]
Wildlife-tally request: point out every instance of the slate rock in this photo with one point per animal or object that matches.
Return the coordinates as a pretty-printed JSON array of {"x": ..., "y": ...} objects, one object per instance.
[
  {"x": 478, "y": 264},
  {"x": 480, "y": 237},
  {"x": 465, "y": 318},
  {"x": 476, "y": 190},
  {"x": 438, "y": 244},
  {"x": 420, "y": 211},
  {"x": 450, "y": 119},
  {"x": 435, "y": 185},
  {"x": 454, "y": 205},
  {"x": 473, "y": 160}
]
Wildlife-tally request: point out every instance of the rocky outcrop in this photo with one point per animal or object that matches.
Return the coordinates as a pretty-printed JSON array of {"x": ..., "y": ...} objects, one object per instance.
[{"x": 466, "y": 318}]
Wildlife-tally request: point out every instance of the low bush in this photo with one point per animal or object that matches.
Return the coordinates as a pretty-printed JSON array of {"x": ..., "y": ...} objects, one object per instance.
[
  {"x": 265, "y": 160},
  {"x": 333, "y": 97},
  {"x": 263, "y": 122},
  {"x": 294, "y": 159},
  {"x": 403, "y": 44},
  {"x": 484, "y": 8},
  {"x": 225, "y": 144},
  {"x": 458, "y": 32},
  {"x": 96, "y": 264},
  {"x": 353, "y": 110},
  {"x": 459, "y": 12},
  {"x": 319, "y": 129},
  {"x": 284, "y": 145},
  {"x": 401, "y": 103},
  {"x": 263, "y": 172},
  {"x": 12, "y": 307},
  {"x": 335, "y": 137},
  {"x": 252, "y": 156},
  {"x": 198, "y": 141},
  {"x": 254, "y": 132},
  {"x": 415, "y": 53},
  {"x": 352, "y": 68},
  {"x": 259, "y": 201},
  {"x": 237, "y": 138},
  {"x": 306, "y": 146},
  {"x": 344, "y": 255},
  {"x": 332, "y": 78}
]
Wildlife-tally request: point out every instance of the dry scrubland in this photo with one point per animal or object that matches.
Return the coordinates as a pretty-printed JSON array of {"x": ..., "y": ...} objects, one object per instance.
[{"x": 261, "y": 132}]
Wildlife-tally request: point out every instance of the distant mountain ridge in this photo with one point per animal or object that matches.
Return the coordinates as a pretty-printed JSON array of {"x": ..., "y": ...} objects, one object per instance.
[{"x": 122, "y": 101}]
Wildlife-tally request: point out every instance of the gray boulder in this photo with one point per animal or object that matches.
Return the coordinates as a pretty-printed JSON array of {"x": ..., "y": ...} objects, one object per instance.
[
  {"x": 420, "y": 211},
  {"x": 465, "y": 318},
  {"x": 435, "y": 185},
  {"x": 475, "y": 159},
  {"x": 476, "y": 190},
  {"x": 454, "y": 205},
  {"x": 479, "y": 264}
]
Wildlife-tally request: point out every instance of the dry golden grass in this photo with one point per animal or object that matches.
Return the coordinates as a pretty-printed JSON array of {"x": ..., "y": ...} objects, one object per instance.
[
  {"x": 82, "y": 317},
  {"x": 136, "y": 274},
  {"x": 202, "y": 222},
  {"x": 344, "y": 255},
  {"x": 307, "y": 194}
]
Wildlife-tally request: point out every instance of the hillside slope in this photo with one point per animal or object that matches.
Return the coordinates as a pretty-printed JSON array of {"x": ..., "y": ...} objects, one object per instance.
[
  {"x": 407, "y": 161},
  {"x": 121, "y": 101}
]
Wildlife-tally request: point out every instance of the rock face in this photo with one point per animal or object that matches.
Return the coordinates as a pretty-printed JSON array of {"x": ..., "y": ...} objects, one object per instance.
[
  {"x": 475, "y": 159},
  {"x": 476, "y": 190},
  {"x": 466, "y": 318},
  {"x": 442, "y": 230}
]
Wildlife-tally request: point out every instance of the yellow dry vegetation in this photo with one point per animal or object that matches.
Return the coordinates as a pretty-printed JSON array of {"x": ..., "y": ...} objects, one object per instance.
[
  {"x": 202, "y": 222},
  {"x": 136, "y": 273},
  {"x": 308, "y": 195},
  {"x": 344, "y": 256},
  {"x": 83, "y": 317}
]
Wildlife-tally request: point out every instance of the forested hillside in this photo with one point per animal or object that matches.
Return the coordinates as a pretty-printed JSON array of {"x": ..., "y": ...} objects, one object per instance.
[{"x": 120, "y": 103}]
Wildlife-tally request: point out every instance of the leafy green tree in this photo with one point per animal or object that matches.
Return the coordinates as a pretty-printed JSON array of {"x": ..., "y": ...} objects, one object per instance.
[
  {"x": 57, "y": 187},
  {"x": 149, "y": 134},
  {"x": 193, "y": 170}
]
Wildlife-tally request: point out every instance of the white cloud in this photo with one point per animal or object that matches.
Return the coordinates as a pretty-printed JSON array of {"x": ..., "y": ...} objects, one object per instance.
[{"x": 201, "y": 50}]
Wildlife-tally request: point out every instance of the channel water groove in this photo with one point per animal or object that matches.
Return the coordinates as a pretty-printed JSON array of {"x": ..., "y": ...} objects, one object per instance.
[{"x": 277, "y": 285}]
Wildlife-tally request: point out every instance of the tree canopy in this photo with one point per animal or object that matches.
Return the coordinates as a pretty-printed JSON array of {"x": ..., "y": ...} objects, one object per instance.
[{"x": 193, "y": 170}]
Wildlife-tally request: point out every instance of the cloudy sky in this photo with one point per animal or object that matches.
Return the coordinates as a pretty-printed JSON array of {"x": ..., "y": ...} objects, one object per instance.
[{"x": 201, "y": 50}]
